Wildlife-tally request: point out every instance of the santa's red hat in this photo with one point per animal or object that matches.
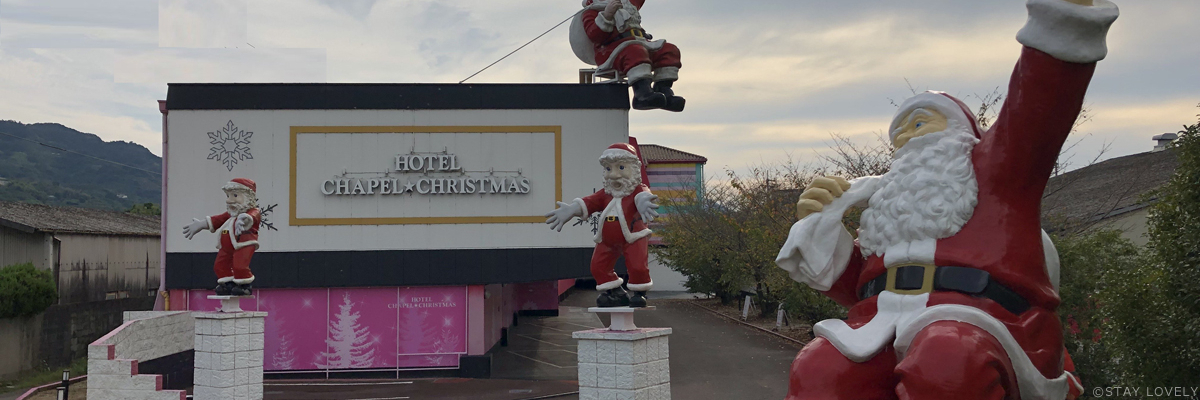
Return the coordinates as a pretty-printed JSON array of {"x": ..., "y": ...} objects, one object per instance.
[
  {"x": 620, "y": 152},
  {"x": 240, "y": 183},
  {"x": 954, "y": 110}
]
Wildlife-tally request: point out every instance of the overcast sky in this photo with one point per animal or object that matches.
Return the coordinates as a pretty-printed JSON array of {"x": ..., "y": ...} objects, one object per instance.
[{"x": 763, "y": 78}]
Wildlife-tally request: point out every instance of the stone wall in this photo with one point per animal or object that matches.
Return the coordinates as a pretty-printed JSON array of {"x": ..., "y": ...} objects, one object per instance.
[{"x": 61, "y": 333}]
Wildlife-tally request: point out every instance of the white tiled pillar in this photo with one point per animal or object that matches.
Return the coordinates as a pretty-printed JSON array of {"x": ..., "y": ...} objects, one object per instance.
[
  {"x": 624, "y": 365},
  {"x": 229, "y": 356}
]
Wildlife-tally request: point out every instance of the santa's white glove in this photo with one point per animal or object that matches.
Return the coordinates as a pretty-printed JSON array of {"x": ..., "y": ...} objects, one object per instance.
[
  {"x": 559, "y": 217},
  {"x": 244, "y": 222},
  {"x": 611, "y": 8},
  {"x": 645, "y": 206},
  {"x": 195, "y": 227}
]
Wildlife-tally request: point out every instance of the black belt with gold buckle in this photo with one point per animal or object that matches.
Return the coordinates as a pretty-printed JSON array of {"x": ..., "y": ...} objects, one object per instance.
[
  {"x": 920, "y": 279},
  {"x": 635, "y": 32},
  {"x": 224, "y": 231},
  {"x": 611, "y": 218}
]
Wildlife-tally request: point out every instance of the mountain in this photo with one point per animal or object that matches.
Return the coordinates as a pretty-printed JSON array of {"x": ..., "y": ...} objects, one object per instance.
[{"x": 37, "y": 174}]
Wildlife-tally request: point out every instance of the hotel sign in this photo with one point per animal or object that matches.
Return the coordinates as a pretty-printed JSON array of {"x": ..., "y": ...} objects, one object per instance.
[
  {"x": 448, "y": 178},
  {"x": 389, "y": 175}
]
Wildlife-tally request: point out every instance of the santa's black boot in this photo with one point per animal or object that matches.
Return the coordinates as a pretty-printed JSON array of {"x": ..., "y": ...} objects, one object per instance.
[
  {"x": 674, "y": 103},
  {"x": 613, "y": 298},
  {"x": 638, "y": 300},
  {"x": 644, "y": 97},
  {"x": 241, "y": 290},
  {"x": 224, "y": 288}
]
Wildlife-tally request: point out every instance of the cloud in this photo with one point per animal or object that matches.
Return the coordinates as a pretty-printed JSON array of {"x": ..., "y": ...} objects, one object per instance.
[{"x": 763, "y": 79}]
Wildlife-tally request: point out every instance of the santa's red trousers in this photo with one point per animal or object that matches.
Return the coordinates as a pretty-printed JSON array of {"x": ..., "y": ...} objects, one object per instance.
[
  {"x": 613, "y": 245},
  {"x": 233, "y": 263},
  {"x": 634, "y": 55},
  {"x": 946, "y": 360}
]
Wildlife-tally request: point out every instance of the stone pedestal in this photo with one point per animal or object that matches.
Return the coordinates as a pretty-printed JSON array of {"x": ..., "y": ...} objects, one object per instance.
[
  {"x": 624, "y": 365},
  {"x": 229, "y": 356}
]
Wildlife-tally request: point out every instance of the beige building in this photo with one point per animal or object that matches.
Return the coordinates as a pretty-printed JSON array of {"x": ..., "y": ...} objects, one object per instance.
[
  {"x": 104, "y": 263},
  {"x": 1114, "y": 194}
]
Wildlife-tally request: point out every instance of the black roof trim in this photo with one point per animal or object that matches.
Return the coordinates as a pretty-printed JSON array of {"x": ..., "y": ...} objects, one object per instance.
[{"x": 388, "y": 96}]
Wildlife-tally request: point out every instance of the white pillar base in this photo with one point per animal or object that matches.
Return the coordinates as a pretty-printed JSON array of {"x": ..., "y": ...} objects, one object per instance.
[
  {"x": 630, "y": 364},
  {"x": 229, "y": 355}
]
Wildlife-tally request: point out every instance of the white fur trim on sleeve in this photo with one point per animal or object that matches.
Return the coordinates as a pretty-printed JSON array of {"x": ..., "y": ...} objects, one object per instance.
[
  {"x": 604, "y": 23},
  {"x": 583, "y": 211},
  {"x": 208, "y": 220},
  {"x": 1068, "y": 31}
]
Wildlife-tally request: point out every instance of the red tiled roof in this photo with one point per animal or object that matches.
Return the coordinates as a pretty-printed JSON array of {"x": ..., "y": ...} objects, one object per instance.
[{"x": 662, "y": 154}]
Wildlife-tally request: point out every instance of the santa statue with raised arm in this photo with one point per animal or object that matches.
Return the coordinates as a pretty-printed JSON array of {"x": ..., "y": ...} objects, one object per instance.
[
  {"x": 238, "y": 237},
  {"x": 609, "y": 35},
  {"x": 625, "y": 206},
  {"x": 952, "y": 285}
]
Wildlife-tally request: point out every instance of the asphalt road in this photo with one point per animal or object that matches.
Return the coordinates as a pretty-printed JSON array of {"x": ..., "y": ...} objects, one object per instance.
[{"x": 713, "y": 357}]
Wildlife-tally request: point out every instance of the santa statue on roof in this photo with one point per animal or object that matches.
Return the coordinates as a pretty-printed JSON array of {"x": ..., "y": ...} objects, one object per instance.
[
  {"x": 952, "y": 285},
  {"x": 625, "y": 206},
  {"x": 238, "y": 237},
  {"x": 609, "y": 35}
]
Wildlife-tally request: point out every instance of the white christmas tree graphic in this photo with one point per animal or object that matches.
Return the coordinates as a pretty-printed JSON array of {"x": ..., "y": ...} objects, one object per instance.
[
  {"x": 350, "y": 344},
  {"x": 285, "y": 356},
  {"x": 447, "y": 342}
]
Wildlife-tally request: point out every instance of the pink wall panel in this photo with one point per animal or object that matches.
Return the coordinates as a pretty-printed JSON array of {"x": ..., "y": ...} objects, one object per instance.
[{"x": 357, "y": 328}]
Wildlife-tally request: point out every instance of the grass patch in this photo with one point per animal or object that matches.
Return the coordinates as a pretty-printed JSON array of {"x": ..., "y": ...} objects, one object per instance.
[{"x": 42, "y": 376}]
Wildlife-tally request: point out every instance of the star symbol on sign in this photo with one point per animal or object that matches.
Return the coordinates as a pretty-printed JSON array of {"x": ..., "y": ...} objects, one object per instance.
[{"x": 408, "y": 187}]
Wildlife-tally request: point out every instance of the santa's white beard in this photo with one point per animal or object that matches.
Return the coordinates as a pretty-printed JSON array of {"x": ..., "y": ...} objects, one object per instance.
[
  {"x": 929, "y": 193},
  {"x": 621, "y": 187},
  {"x": 238, "y": 208}
]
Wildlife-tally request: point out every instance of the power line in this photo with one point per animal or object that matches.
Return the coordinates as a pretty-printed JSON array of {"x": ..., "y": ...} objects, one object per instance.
[
  {"x": 85, "y": 155},
  {"x": 522, "y": 46}
]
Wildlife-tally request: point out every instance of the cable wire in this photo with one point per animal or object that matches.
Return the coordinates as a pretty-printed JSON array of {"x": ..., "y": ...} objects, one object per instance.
[
  {"x": 76, "y": 152},
  {"x": 522, "y": 46}
]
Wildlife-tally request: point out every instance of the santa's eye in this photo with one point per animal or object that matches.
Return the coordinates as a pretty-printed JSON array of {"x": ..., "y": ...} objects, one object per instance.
[
  {"x": 608, "y": 168},
  {"x": 622, "y": 167},
  {"x": 920, "y": 124}
]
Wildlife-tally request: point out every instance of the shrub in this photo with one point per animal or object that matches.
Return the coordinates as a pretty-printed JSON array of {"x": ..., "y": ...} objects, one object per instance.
[{"x": 25, "y": 291}]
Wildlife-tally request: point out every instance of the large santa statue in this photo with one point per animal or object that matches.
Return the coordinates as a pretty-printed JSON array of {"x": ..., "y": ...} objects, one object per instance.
[
  {"x": 625, "y": 206},
  {"x": 609, "y": 35},
  {"x": 952, "y": 285},
  {"x": 238, "y": 238}
]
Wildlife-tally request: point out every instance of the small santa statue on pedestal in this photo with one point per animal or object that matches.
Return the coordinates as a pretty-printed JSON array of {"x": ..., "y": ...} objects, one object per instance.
[
  {"x": 609, "y": 35},
  {"x": 238, "y": 237},
  {"x": 625, "y": 206}
]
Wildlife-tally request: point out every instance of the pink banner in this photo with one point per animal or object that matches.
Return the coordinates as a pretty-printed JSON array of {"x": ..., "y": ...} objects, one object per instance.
[{"x": 357, "y": 328}]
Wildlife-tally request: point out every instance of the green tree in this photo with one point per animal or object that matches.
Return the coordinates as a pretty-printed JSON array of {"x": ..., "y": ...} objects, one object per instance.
[
  {"x": 25, "y": 291},
  {"x": 1152, "y": 311},
  {"x": 145, "y": 209}
]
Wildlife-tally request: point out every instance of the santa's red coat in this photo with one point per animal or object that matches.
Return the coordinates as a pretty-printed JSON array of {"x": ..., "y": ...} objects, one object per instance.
[
  {"x": 250, "y": 236},
  {"x": 1012, "y": 162},
  {"x": 607, "y": 42}
]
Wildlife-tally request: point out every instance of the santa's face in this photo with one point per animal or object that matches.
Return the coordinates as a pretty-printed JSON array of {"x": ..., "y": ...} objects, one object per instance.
[
  {"x": 237, "y": 201},
  {"x": 918, "y": 122},
  {"x": 621, "y": 177}
]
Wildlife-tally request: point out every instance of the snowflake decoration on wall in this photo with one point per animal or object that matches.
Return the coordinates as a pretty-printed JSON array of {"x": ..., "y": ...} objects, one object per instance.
[{"x": 230, "y": 145}]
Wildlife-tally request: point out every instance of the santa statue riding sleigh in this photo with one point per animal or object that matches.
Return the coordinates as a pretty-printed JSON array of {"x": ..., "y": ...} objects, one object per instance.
[{"x": 951, "y": 283}]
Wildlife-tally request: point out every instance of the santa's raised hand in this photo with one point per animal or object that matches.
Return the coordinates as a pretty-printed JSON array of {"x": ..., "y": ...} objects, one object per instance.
[
  {"x": 646, "y": 207},
  {"x": 559, "y": 217}
]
